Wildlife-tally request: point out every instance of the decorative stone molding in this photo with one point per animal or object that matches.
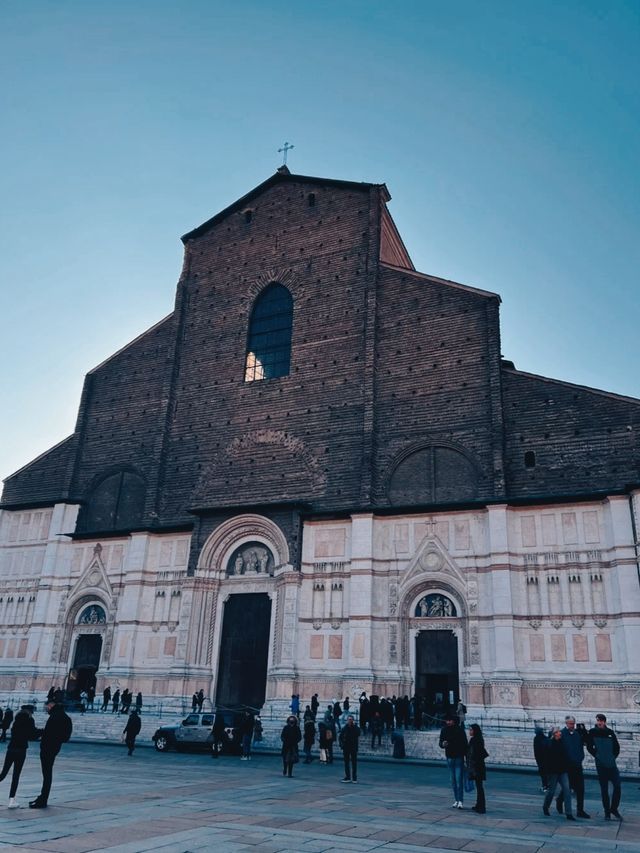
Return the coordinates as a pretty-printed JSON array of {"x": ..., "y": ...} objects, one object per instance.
[
  {"x": 231, "y": 534},
  {"x": 573, "y": 697}
]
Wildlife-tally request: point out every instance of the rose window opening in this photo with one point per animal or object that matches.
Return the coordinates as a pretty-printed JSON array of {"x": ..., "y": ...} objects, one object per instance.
[
  {"x": 92, "y": 615},
  {"x": 436, "y": 605}
]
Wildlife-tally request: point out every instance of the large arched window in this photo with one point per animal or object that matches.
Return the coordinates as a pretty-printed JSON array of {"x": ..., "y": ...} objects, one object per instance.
[
  {"x": 269, "y": 343},
  {"x": 115, "y": 503}
]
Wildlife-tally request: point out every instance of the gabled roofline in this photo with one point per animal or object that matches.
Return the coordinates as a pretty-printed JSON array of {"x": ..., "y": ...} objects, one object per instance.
[
  {"x": 129, "y": 344},
  {"x": 434, "y": 278},
  {"x": 39, "y": 457},
  {"x": 283, "y": 175},
  {"x": 610, "y": 394}
]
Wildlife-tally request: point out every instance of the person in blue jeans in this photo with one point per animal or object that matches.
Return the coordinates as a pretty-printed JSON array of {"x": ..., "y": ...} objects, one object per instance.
[{"x": 454, "y": 742}]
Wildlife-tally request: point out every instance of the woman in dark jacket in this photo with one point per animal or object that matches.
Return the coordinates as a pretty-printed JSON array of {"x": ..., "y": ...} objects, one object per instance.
[
  {"x": 476, "y": 768},
  {"x": 557, "y": 769},
  {"x": 290, "y": 737}
]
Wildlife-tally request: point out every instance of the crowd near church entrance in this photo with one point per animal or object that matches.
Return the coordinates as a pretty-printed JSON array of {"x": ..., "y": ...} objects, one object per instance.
[
  {"x": 244, "y": 651},
  {"x": 437, "y": 679}
]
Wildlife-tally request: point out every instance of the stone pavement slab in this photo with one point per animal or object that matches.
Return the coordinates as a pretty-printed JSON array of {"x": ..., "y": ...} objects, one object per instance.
[{"x": 102, "y": 800}]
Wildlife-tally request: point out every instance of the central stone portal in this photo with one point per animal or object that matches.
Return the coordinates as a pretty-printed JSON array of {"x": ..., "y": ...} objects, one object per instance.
[
  {"x": 244, "y": 651},
  {"x": 437, "y": 676}
]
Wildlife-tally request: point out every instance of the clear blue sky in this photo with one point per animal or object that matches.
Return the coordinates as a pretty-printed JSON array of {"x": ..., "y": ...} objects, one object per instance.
[{"x": 507, "y": 133}]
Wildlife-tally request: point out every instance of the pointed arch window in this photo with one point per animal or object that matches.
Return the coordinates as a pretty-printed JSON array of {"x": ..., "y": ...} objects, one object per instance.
[{"x": 269, "y": 341}]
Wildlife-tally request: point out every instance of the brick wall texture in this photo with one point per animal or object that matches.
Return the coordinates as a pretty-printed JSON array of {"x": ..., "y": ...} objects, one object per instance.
[{"x": 396, "y": 395}]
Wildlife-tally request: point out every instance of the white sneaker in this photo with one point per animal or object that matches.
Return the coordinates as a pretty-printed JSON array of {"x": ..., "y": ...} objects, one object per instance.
[
  {"x": 13, "y": 804},
  {"x": 460, "y": 806},
  {"x": 455, "y": 805}
]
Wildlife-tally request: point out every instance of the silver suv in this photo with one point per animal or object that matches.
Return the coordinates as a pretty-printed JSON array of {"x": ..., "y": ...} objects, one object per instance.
[{"x": 192, "y": 733}]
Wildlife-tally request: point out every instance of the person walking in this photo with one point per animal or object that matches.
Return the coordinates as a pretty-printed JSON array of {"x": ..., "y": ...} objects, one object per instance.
[
  {"x": 200, "y": 699},
  {"x": 315, "y": 704},
  {"x": 132, "y": 730},
  {"x": 24, "y": 730},
  {"x": 476, "y": 767},
  {"x": 461, "y": 713},
  {"x": 309, "y": 739},
  {"x": 295, "y": 705},
  {"x": 139, "y": 702},
  {"x": 290, "y": 737},
  {"x": 57, "y": 731},
  {"x": 106, "y": 698},
  {"x": 217, "y": 734},
  {"x": 91, "y": 695},
  {"x": 7, "y": 719},
  {"x": 574, "y": 739},
  {"x": 540, "y": 753},
  {"x": 454, "y": 742},
  {"x": 349, "y": 736},
  {"x": 603, "y": 744},
  {"x": 115, "y": 702},
  {"x": 558, "y": 767}
]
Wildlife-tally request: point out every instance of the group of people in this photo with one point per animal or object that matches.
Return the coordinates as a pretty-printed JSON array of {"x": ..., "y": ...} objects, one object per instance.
[
  {"x": 57, "y": 731},
  {"x": 466, "y": 759},
  {"x": 559, "y": 756},
  {"x": 120, "y": 701},
  {"x": 197, "y": 701},
  {"x": 348, "y": 739}
]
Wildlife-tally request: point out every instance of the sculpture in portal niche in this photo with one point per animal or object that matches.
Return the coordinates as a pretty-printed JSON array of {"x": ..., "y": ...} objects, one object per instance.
[
  {"x": 251, "y": 558},
  {"x": 93, "y": 615},
  {"x": 435, "y": 605}
]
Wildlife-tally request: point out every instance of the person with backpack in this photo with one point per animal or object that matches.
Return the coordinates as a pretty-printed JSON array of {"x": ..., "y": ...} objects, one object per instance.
[{"x": 57, "y": 731}]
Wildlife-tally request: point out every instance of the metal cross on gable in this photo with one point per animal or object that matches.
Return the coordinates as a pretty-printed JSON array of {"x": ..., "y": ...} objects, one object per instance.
[{"x": 284, "y": 150}]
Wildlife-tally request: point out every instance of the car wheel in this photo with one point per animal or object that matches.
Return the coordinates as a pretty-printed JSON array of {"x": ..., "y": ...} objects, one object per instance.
[{"x": 162, "y": 743}]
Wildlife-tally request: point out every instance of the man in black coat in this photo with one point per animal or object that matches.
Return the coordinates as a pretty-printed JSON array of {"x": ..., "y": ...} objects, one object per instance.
[
  {"x": 132, "y": 730},
  {"x": 24, "y": 730},
  {"x": 56, "y": 732},
  {"x": 7, "y": 719},
  {"x": 349, "y": 745}
]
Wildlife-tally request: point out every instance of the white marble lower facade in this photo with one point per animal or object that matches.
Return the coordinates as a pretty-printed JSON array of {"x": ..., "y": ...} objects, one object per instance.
[{"x": 544, "y": 601}]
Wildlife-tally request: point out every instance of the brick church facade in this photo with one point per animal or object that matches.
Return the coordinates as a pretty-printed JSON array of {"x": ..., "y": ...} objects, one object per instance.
[{"x": 318, "y": 474}]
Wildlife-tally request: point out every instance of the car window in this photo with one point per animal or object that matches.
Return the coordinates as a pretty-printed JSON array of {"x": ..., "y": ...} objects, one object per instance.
[
  {"x": 191, "y": 720},
  {"x": 207, "y": 719}
]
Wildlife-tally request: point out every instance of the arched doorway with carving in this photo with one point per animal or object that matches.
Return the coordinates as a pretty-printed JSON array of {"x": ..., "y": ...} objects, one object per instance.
[
  {"x": 88, "y": 631},
  {"x": 241, "y": 560},
  {"x": 434, "y": 644}
]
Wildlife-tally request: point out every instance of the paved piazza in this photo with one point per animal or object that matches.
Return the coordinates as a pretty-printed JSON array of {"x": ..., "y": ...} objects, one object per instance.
[{"x": 104, "y": 800}]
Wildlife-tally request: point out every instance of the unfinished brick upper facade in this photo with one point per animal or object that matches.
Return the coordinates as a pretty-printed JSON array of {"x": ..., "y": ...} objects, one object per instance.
[{"x": 386, "y": 365}]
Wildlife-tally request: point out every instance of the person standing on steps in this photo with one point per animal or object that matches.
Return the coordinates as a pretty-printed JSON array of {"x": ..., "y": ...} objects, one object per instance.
[
  {"x": 348, "y": 739},
  {"x": 56, "y": 732},
  {"x": 106, "y": 698},
  {"x": 24, "y": 730},
  {"x": 476, "y": 767},
  {"x": 132, "y": 730},
  {"x": 558, "y": 769},
  {"x": 603, "y": 744},
  {"x": 454, "y": 742}
]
